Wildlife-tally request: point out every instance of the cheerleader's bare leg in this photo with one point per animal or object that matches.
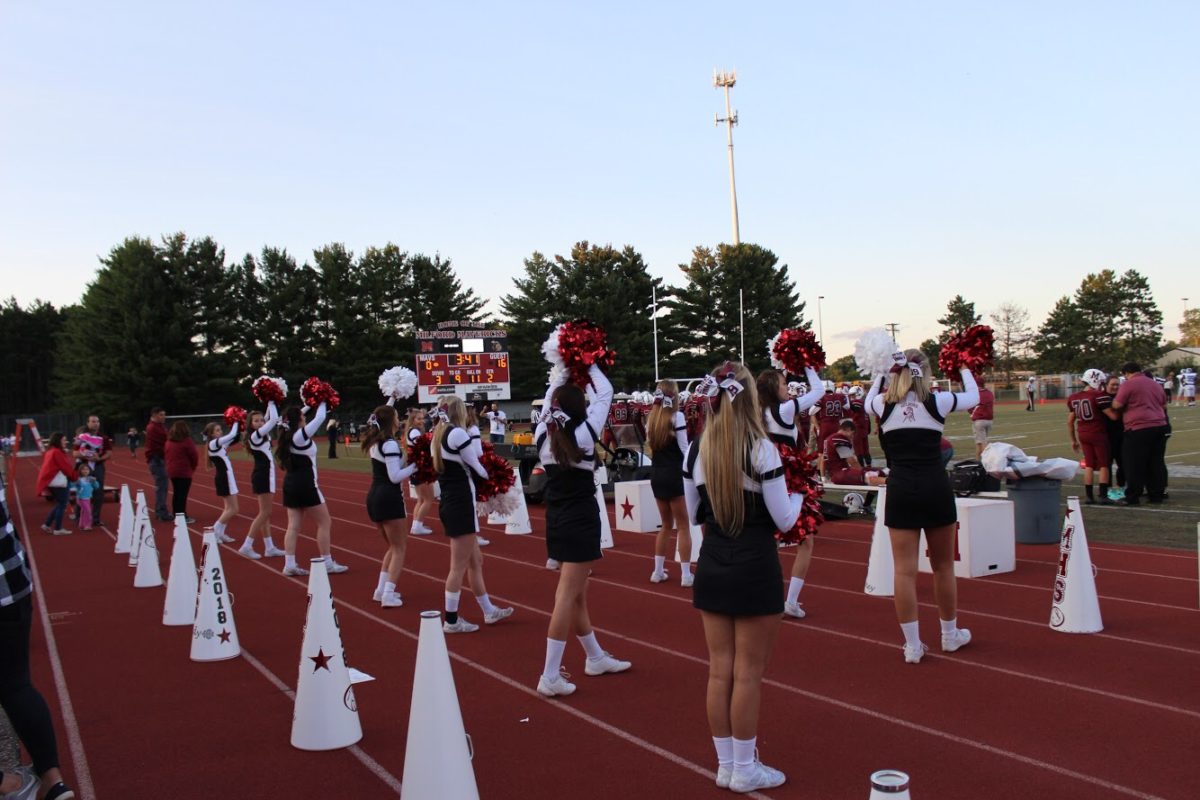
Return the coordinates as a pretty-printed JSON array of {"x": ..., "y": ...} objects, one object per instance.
[
  {"x": 945, "y": 586},
  {"x": 683, "y": 538},
  {"x": 321, "y": 516},
  {"x": 229, "y": 512},
  {"x": 261, "y": 525},
  {"x": 570, "y": 614},
  {"x": 905, "y": 544},
  {"x": 719, "y": 635},
  {"x": 662, "y": 541},
  {"x": 800, "y": 564},
  {"x": 291, "y": 538}
]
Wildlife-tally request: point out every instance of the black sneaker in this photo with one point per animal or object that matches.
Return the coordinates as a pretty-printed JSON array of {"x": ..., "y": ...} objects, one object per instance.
[{"x": 59, "y": 791}]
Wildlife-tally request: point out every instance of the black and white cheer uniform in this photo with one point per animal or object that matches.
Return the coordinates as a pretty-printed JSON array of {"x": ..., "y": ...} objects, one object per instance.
[
  {"x": 780, "y": 420},
  {"x": 300, "y": 488},
  {"x": 666, "y": 470},
  {"x": 918, "y": 487},
  {"x": 414, "y": 435},
  {"x": 262, "y": 478},
  {"x": 460, "y": 461},
  {"x": 385, "y": 498},
  {"x": 572, "y": 513},
  {"x": 740, "y": 575},
  {"x": 218, "y": 458}
]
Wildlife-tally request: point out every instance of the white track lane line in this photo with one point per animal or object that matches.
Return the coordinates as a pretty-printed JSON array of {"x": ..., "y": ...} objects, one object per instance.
[{"x": 83, "y": 773}]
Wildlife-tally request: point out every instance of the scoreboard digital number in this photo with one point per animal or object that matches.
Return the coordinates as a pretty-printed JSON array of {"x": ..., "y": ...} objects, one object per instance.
[{"x": 470, "y": 363}]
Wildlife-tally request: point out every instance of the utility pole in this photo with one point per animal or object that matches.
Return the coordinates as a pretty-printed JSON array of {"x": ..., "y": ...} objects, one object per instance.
[
  {"x": 892, "y": 328},
  {"x": 654, "y": 319},
  {"x": 820, "y": 322},
  {"x": 726, "y": 81}
]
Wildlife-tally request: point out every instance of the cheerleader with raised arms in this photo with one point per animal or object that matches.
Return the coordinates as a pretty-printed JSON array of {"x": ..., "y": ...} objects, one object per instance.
[
  {"x": 262, "y": 480},
  {"x": 216, "y": 444},
  {"x": 666, "y": 433},
  {"x": 385, "y": 498},
  {"x": 297, "y": 454}
]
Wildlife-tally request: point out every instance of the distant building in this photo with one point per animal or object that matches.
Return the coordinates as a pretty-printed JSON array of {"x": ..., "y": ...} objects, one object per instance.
[{"x": 1179, "y": 357}]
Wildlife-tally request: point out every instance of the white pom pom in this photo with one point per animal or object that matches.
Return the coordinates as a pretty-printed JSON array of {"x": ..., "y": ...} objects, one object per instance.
[
  {"x": 505, "y": 504},
  {"x": 550, "y": 347},
  {"x": 558, "y": 374},
  {"x": 775, "y": 362},
  {"x": 398, "y": 382},
  {"x": 873, "y": 352}
]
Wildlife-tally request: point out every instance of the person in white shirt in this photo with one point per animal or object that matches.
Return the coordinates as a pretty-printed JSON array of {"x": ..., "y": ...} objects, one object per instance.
[
  {"x": 499, "y": 423},
  {"x": 1030, "y": 392}
]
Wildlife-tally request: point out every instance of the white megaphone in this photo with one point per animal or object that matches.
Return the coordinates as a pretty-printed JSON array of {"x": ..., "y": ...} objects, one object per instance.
[{"x": 889, "y": 784}]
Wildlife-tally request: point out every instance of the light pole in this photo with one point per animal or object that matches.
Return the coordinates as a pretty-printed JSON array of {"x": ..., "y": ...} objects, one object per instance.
[
  {"x": 820, "y": 323},
  {"x": 654, "y": 318},
  {"x": 726, "y": 81}
]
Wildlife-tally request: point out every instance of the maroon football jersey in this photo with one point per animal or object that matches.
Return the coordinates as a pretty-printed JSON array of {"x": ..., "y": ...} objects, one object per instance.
[
  {"x": 862, "y": 422},
  {"x": 831, "y": 408},
  {"x": 833, "y": 461},
  {"x": 1089, "y": 414}
]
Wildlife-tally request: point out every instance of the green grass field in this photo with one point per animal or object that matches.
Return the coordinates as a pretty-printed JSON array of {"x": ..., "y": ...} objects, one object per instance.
[{"x": 1043, "y": 433}]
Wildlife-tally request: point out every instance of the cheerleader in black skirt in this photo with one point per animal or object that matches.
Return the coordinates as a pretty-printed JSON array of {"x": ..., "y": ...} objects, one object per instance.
[
  {"x": 385, "y": 498},
  {"x": 456, "y": 460},
  {"x": 782, "y": 415},
  {"x": 477, "y": 444},
  {"x": 733, "y": 483},
  {"x": 262, "y": 480},
  {"x": 918, "y": 491},
  {"x": 666, "y": 433},
  {"x": 414, "y": 429},
  {"x": 297, "y": 454},
  {"x": 216, "y": 444},
  {"x": 566, "y": 441}
]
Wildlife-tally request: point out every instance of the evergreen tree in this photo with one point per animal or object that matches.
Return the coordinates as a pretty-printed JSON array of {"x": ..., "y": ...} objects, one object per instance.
[
  {"x": 288, "y": 321},
  {"x": 28, "y": 356},
  {"x": 1139, "y": 325},
  {"x": 959, "y": 316},
  {"x": 1057, "y": 342},
  {"x": 435, "y": 294},
  {"x": 383, "y": 275},
  {"x": 247, "y": 304}
]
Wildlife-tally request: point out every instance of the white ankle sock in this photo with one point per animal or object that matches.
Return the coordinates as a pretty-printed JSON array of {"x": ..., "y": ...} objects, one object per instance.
[
  {"x": 289, "y": 561},
  {"x": 554, "y": 655},
  {"x": 219, "y": 528},
  {"x": 660, "y": 563},
  {"x": 794, "y": 587},
  {"x": 248, "y": 544},
  {"x": 485, "y": 603},
  {"x": 743, "y": 753},
  {"x": 268, "y": 543},
  {"x": 949, "y": 626},
  {"x": 591, "y": 646},
  {"x": 912, "y": 633},
  {"x": 388, "y": 588},
  {"x": 452, "y": 601},
  {"x": 328, "y": 560},
  {"x": 724, "y": 745},
  {"x": 685, "y": 569},
  {"x": 382, "y": 581}
]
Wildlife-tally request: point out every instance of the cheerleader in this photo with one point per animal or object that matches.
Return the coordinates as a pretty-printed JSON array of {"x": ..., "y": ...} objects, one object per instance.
[
  {"x": 919, "y": 496},
  {"x": 414, "y": 429},
  {"x": 666, "y": 433},
  {"x": 385, "y": 499},
  {"x": 216, "y": 444},
  {"x": 455, "y": 458},
  {"x": 782, "y": 414},
  {"x": 262, "y": 480},
  {"x": 297, "y": 454},
  {"x": 566, "y": 441},
  {"x": 477, "y": 444},
  {"x": 734, "y": 485}
]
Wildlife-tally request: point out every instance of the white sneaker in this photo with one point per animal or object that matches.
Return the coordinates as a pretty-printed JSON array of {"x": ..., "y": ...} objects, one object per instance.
[
  {"x": 605, "y": 663},
  {"x": 913, "y": 655},
  {"x": 225, "y": 538},
  {"x": 274, "y": 552},
  {"x": 295, "y": 572},
  {"x": 333, "y": 567},
  {"x": 419, "y": 529},
  {"x": 724, "y": 775},
  {"x": 61, "y": 532},
  {"x": 658, "y": 576},
  {"x": 391, "y": 600},
  {"x": 462, "y": 626},
  {"x": 482, "y": 541},
  {"x": 686, "y": 581},
  {"x": 249, "y": 553},
  {"x": 759, "y": 776},
  {"x": 496, "y": 614},
  {"x": 378, "y": 596},
  {"x": 794, "y": 610},
  {"x": 559, "y": 687},
  {"x": 952, "y": 641},
  {"x": 552, "y": 564}
]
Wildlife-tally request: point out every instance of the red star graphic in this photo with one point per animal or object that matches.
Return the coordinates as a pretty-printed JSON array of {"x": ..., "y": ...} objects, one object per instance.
[
  {"x": 1070, "y": 511},
  {"x": 224, "y": 636},
  {"x": 627, "y": 509},
  {"x": 320, "y": 660}
]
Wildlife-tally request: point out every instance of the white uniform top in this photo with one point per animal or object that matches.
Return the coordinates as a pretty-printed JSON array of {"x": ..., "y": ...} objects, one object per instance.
[
  {"x": 498, "y": 422},
  {"x": 910, "y": 413},
  {"x": 781, "y": 420},
  {"x": 600, "y": 396},
  {"x": 783, "y": 508},
  {"x": 390, "y": 454},
  {"x": 303, "y": 444},
  {"x": 217, "y": 451},
  {"x": 476, "y": 440}
]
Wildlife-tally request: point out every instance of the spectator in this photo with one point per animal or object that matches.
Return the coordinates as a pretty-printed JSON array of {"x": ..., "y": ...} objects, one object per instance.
[
  {"x": 156, "y": 444},
  {"x": 86, "y": 488},
  {"x": 96, "y": 456},
  {"x": 22, "y": 703},
  {"x": 1142, "y": 404},
  {"x": 56, "y": 474},
  {"x": 499, "y": 421},
  {"x": 981, "y": 419},
  {"x": 181, "y": 458},
  {"x": 133, "y": 438},
  {"x": 1169, "y": 386},
  {"x": 332, "y": 429},
  {"x": 1030, "y": 392}
]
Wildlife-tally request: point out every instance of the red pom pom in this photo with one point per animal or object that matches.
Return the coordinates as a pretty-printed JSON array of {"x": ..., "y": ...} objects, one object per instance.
[
  {"x": 500, "y": 475},
  {"x": 267, "y": 390},
  {"x": 795, "y": 349},
  {"x": 800, "y": 475},
  {"x": 695, "y": 414},
  {"x": 235, "y": 414},
  {"x": 420, "y": 455},
  {"x": 972, "y": 349},
  {"x": 315, "y": 391},
  {"x": 582, "y": 343}
]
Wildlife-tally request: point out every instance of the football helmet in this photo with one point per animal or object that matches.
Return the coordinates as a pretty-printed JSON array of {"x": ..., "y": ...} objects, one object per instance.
[
  {"x": 1094, "y": 378},
  {"x": 857, "y": 392},
  {"x": 829, "y": 387},
  {"x": 797, "y": 388}
]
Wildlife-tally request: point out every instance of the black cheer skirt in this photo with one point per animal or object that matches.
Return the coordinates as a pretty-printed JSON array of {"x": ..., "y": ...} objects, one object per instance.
[
  {"x": 919, "y": 498},
  {"x": 385, "y": 501},
  {"x": 666, "y": 477},
  {"x": 573, "y": 530},
  {"x": 739, "y": 577}
]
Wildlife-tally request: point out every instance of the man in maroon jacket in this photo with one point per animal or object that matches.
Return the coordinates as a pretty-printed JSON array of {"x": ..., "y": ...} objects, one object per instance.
[
  {"x": 156, "y": 443},
  {"x": 981, "y": 417}
]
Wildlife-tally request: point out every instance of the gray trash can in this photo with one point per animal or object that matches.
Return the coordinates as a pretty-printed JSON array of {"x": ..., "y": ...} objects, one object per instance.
[{"x": 1037, "y": 510}]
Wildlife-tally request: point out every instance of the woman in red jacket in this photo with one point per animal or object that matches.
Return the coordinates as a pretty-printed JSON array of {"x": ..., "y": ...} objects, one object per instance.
[
  {"x": 181, "y": 458},
  {"x": 57, "y": 471}
]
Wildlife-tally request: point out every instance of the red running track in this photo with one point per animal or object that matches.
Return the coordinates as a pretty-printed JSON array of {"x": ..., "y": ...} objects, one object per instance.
[{"x": 1023, "y": 711}]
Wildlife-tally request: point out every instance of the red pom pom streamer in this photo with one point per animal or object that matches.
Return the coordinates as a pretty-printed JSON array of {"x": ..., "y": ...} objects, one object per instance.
[
  {"x": 582, "y": 343},
  {"x": 500, "y": 475},
  {"x": 315, "y": 391},
  {"x": 800, "y": 475},
  {"x": 972, "y": 349},
  {"x": 235, "y": 414},
  {"x": 695, "y": 414},
  {"x": 421, "y": 455},
  {"x": 267, "y": 390},
  {"x": 796, "y": 349}
]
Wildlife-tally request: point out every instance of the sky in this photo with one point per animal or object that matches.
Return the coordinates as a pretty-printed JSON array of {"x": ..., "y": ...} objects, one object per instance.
[{"x": 891, "y": 154}]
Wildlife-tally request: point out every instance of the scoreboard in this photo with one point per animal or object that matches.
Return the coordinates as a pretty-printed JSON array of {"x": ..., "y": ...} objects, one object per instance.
[{"x": 462, "y": 358}]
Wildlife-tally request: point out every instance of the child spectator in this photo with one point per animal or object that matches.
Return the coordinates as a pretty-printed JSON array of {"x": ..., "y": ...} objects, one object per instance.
[{"x": 84, "y": 488}]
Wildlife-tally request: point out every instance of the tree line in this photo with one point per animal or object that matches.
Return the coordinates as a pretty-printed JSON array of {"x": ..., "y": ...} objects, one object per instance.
[{"x": 174, "y": 323}]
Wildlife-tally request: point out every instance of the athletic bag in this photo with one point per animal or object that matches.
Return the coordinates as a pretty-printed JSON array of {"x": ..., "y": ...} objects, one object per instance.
[{"x": 969, "y": 477}]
